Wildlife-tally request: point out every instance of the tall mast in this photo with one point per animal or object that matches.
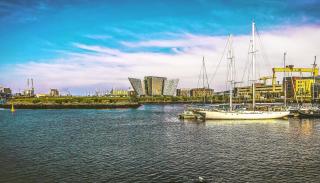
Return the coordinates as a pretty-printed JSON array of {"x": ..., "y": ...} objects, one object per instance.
[
  {"x": 314, "y": 77},
  {"x": 204, "y": 91},
  {"x": 285, "y": 79},
  {"x": 203, "y": 73},
  {"x": 230, "y": 57},
  {"x": 253, "y": 68},
  {"x": 205, "y": 83}
]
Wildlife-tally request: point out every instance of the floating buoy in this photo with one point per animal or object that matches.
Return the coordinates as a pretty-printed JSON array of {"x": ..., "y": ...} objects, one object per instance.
[{"x": 12, "y": 108}]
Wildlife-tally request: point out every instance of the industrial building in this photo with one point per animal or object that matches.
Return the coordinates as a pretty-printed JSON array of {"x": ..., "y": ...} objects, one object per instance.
[
  {"x": 29, "y": 92},
  {"x": 262, "y": 91},
  {"x": 5, "y": 92},
  {"x": 118, "y": 92},
  {"x": 302, "y": 87},
  {"x": 289, "y": 69},
  {"x": 201, "y": 92},
  {"x": 316, "y": 91},
  {"x": 297, "y": 87},
  {"x": 154, "y": 86},
  {"x": 184, "y": 92},
  {"x": 195, "y": 92}
]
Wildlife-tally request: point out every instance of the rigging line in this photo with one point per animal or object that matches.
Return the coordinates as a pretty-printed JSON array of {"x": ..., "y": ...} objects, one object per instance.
[
  {"x": 249, "y": 73},
  {"x": 246, "y": 66},
  {"x": 199, "y": 78},
  {"x": 205, "y": 71},
  {"x": 215, "y": 72},
  {"x": 227, "y": 78},
  {"x": 258, "y": 70},
  {"x": 263, "y": 54},
  {"x": 233, "y": 66}
]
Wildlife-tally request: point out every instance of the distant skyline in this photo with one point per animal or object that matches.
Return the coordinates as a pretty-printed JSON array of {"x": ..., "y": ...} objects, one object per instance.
[{"x": 82, "y": 45}]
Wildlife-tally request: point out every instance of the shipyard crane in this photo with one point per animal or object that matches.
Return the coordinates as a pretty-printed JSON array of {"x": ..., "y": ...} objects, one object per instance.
[
  {"x": 290, "y": 68},
  {"x": 265, "y": 78}
]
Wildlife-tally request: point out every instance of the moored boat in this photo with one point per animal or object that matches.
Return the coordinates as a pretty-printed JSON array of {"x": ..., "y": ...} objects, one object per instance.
[
  {"x": 190, "y": 114},
  {"x": 243, "y": 114},
  {"x": 309, "y": 113}
]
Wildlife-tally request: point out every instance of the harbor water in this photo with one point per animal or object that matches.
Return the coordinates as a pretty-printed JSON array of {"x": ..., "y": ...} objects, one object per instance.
[{"x": 150, "y": 144}]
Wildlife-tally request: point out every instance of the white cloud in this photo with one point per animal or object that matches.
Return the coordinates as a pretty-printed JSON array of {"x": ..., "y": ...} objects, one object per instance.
[
  {"x": 98, "y": 49},
  {"x": 104, "y": 67},
  {"x": 186, "y": 41},
  {"x": 98, "y": 37}
]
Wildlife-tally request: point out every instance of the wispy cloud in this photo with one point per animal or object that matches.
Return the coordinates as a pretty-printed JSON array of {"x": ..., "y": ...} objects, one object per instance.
[
  {"x": 98, "y": 37},
  {"x": 98, "y": 49},
  {"x": 185, "y": 40},
  {"x": 103, "y": 67}
]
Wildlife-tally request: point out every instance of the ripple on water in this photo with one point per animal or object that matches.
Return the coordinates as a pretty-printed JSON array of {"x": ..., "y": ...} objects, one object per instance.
[{"x": 150, "y": 144}]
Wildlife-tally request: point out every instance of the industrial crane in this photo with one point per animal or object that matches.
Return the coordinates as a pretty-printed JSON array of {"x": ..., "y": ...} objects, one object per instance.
[
  {"x": 290, "y": 68},
  {"x": 264, "y": 79}
]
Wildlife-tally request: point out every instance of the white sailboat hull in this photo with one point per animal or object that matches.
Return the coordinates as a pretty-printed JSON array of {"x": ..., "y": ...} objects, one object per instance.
[{"x": 244, "y": 115}]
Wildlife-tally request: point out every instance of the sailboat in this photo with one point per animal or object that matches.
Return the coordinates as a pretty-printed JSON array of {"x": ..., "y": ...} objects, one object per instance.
[
  {"x": 243, "y": 114},
  {"x": 191, "y": 112}
]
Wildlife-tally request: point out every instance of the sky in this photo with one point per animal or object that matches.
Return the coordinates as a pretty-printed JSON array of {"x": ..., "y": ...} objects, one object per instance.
[{"x": 84, "y": 46}]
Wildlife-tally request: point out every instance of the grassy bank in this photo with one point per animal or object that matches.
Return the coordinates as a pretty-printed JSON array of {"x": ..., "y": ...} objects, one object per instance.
[
  {"x": 108, "y": 100},
  {"x": 72, "y": 106},
  {"x": 70, "y": 103}
]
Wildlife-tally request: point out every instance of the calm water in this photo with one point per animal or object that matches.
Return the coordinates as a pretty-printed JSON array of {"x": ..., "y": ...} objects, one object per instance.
[{"x": 150, "y": 144}]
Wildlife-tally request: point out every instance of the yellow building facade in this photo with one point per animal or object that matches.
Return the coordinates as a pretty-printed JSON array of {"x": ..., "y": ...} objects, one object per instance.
[
  {"x": 303, "y": 88},
  {"x": 262, "y": 91}
]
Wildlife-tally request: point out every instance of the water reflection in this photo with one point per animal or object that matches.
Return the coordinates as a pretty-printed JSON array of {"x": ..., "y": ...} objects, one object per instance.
[
  {"x": 151, "y": 144},
  {"x": 294, "y": 125},
  {"x": 241, "y": 122},
  {"x": 304, "y": 126}
]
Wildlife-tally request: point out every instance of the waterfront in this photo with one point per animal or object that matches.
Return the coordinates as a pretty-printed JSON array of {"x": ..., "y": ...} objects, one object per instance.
[{"x": 150, "y": 144}]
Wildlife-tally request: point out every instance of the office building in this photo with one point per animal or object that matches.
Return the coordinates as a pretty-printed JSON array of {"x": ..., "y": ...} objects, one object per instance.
[{"x": 116, "y": 92}]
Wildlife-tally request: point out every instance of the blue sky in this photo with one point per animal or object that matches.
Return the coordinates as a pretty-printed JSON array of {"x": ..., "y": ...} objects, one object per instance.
[{"x": 46, "y": 31}]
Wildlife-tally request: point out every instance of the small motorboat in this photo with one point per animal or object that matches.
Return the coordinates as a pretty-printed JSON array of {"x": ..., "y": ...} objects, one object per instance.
[
  {"x": 309, "y": 113},
  {"x": 191, "y": 114}
]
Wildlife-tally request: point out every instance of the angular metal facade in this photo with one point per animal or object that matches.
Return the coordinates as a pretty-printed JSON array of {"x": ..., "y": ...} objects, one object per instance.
[
  {"x": 170, "y": 87},
  {"x": 138, "y": 86},
  {"x": 154, "y": 85}
]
